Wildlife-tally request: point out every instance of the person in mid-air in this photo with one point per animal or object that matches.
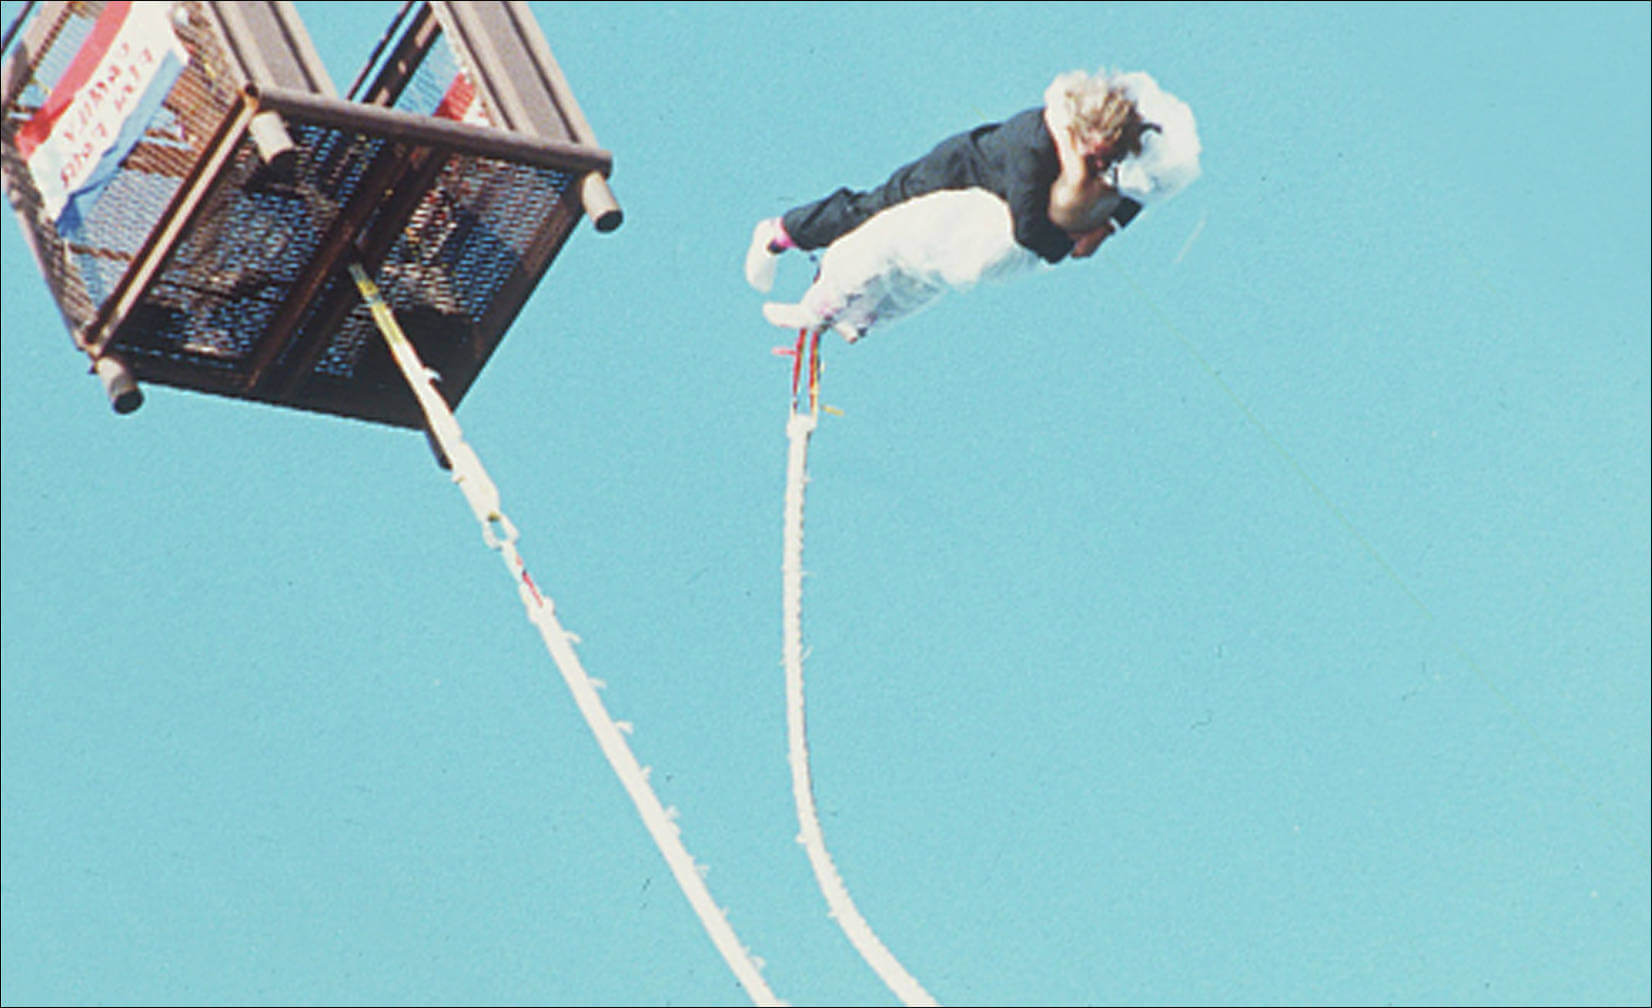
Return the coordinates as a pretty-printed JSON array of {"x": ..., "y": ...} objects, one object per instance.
[{"x": 1047, "y": 184}]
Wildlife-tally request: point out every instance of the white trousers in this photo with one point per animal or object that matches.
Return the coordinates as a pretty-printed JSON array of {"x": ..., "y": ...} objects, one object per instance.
[{"x": 904, "y": 258}]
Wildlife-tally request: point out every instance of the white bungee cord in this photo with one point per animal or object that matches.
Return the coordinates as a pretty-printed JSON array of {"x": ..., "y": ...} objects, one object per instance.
[{"x": 799, "y": 427}]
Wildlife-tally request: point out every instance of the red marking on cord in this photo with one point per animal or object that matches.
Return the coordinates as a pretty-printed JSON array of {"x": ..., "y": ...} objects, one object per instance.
[{"x": 527, "y": 579}]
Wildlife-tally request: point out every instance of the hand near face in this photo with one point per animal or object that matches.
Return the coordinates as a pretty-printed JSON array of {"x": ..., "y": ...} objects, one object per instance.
[{"x": 1081, "y": 196}]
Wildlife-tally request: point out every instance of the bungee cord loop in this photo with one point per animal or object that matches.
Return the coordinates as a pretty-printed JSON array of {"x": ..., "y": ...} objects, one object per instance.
[
  {"x": 501, "y": 535},
  {"x": 800, "y": 426}
]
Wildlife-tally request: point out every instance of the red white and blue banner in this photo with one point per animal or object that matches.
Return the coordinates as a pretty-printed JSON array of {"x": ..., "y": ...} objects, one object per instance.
[{"x": 101, "y": 106}]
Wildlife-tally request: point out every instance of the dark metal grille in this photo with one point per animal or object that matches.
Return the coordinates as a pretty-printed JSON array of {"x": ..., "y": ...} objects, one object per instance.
[
  {"x": 227, "y": 277},
  {"x": 466, "y": 240},
  {"x": 475, "y": 232}
]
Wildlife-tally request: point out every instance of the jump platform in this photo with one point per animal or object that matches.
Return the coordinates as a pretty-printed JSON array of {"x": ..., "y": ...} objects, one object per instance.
[{"x": 212, "y": 253}]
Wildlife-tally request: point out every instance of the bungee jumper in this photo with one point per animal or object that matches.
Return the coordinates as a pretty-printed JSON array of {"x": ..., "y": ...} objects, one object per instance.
[{"x": 1048, "y": 184}]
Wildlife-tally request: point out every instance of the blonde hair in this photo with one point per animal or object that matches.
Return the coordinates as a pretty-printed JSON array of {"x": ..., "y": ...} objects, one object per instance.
[{"x": 1099, "y": 114}]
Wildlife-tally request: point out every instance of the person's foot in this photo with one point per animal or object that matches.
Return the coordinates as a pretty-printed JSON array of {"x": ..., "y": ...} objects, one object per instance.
[
  {"x": 768, "y": 240},
  {"x": 790, "y": 316}
]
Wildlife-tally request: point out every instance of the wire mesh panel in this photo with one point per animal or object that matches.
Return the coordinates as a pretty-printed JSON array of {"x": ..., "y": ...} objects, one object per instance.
[
  {"x": 215, "y": 258},
  {"x": 254, "y": 301},
  {"x": 487, "y": 63}
]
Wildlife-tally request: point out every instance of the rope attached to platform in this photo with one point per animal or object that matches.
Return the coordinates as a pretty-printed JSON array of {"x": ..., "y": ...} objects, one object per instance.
[
  {"x": 799, "y": 427},
  {"x": 501, "y": 535}
]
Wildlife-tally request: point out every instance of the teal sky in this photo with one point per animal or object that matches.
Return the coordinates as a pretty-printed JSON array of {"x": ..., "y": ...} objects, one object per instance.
[{"x": 1257, "y": 613}]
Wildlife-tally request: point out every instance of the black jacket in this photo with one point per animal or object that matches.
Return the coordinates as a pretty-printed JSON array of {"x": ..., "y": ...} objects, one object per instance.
[{"x": 1015, "y": 159}]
